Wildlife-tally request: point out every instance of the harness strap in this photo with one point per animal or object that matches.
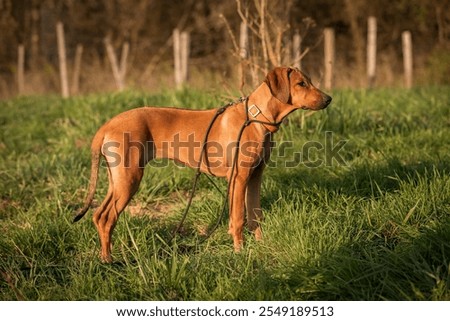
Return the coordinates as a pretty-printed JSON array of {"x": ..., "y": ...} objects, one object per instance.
[
  {"x": 256, "y": 114},
  {"x": 198, "y": 173}
]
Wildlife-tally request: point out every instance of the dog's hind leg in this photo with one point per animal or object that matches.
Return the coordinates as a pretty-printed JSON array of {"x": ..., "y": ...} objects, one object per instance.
[{"x": 123, "y": 184}]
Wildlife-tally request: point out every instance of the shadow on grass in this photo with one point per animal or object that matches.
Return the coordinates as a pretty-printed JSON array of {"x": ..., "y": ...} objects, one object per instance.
[
  {"x": 413, "y": 266},
  {"x": 364, "y": 180},
  {"x": 417, "y": 269}
]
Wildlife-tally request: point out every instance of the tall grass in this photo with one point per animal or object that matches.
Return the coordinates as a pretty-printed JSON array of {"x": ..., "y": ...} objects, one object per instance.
[{"x": 376, "y": 227}]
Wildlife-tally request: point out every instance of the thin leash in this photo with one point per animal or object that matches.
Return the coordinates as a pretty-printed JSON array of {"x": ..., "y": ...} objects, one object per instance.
[
  {"x": 198, "y": 172},
  {"x": 247, "y": 122}
]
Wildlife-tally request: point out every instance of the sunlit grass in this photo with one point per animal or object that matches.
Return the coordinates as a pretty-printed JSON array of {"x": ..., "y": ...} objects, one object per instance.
[{"x": 376, "y": 227}]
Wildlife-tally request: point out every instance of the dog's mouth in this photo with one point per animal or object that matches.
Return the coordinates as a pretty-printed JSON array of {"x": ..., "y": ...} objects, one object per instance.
[
  {"x": 314, "y": 108},
  {"x": 325, "y": 103}
]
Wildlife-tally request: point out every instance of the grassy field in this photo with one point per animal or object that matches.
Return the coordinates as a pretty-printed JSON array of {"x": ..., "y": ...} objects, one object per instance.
[{"x": 374, "y": 227}]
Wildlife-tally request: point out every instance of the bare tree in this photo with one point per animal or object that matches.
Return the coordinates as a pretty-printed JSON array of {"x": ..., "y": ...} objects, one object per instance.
[{"x": 269, "y": 37}]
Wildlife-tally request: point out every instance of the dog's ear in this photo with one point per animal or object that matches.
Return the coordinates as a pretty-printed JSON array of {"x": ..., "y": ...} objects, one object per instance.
[{"x": 279, "y": 83}]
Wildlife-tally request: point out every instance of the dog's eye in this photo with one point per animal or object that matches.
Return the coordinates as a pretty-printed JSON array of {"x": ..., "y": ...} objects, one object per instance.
[{"x": 302, "y": 84}]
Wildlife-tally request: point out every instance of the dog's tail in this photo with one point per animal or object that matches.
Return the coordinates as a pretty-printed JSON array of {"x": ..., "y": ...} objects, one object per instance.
[{"x": 95, "y": 161}]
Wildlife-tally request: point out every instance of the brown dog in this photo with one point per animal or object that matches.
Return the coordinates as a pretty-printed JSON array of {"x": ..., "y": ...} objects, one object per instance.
[{"x": 131, "y": 139}]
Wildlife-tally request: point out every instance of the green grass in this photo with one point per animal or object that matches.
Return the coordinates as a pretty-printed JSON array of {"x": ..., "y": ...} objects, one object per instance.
[{"x": 375, "y": 229}]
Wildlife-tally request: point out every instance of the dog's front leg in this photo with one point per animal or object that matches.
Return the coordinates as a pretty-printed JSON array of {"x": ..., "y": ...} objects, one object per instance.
[
  {"x": 253, "y": 203},
  {"x": 238, "y": 185}
]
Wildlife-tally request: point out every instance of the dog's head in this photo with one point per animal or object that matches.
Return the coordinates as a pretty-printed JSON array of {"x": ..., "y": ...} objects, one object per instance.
[{"x": 292, "y": 87}]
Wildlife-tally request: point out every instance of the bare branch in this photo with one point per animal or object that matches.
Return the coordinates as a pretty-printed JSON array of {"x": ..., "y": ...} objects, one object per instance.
[
  {"x": 230, "y": 32},
  {"x": 245, "y": 17}
]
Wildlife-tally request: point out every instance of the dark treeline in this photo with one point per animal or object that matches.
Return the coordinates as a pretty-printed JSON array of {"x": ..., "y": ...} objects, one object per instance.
[{"x": 147, "y": 25}]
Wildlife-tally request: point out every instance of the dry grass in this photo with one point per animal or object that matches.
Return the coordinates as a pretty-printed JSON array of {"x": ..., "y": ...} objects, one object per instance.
[{"x": 96, "y": 75}]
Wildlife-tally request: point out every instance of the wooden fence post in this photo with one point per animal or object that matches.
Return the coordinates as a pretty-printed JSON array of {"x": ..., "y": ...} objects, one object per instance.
[
  {"x": 297, "y": 49},
  {"x": 407, "y": 58},
  {"x": 371, "y": 50},
  {"x": 243, "y": 41},
  {"x": 177, "y": 57},
  {"x": 62, "y": 59},
  {"x": 329, "y": 55},
  {"x": 184, "y": 55},
  {"x": 21, "y": 68},
  {"x": 76, "y": 70},
  {"x": 181, "y": 48}
]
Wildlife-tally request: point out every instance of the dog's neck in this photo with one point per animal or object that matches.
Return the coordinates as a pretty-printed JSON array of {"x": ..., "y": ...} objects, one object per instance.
[{"x": 271, "y": 107}]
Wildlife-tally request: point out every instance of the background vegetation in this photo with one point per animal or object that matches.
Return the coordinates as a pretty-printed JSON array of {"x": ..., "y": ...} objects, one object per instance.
[
  {"x": 148, "y": 26},
  {"x": 377, "y": 229}
]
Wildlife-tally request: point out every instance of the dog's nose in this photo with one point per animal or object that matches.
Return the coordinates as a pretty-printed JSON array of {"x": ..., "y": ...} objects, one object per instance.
[{"x": 327, "y": 100}]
